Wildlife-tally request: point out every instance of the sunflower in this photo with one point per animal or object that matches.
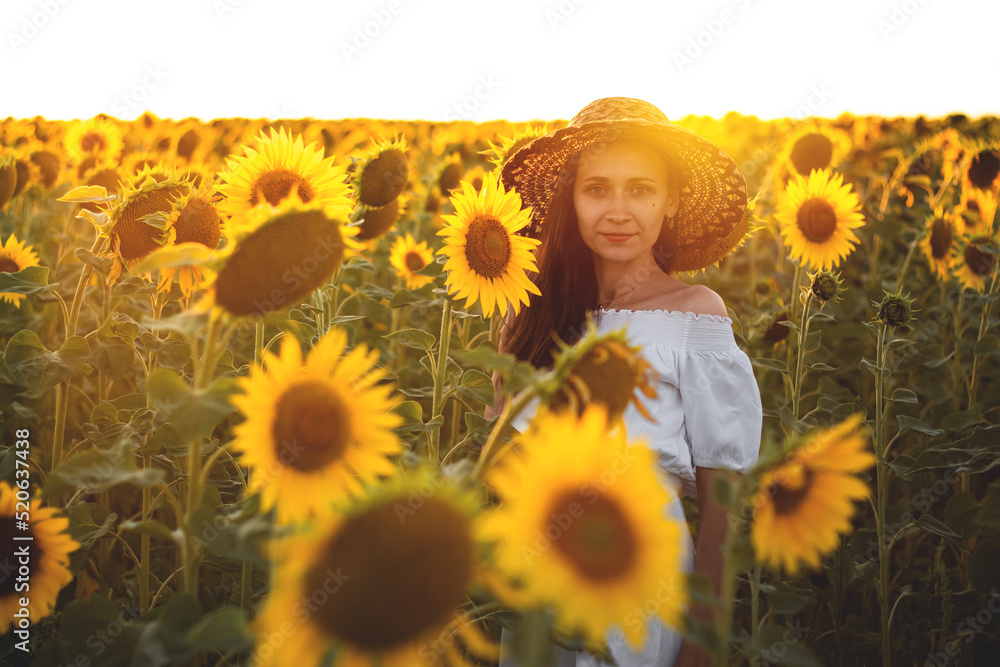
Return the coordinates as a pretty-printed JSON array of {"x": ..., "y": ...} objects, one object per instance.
[
  {"x": 951, "y": 146},
  {"x": 48, "y": 549},
  {"x": 975, "y": 268},
  {"x": 377, "y": 221},
  {"x": 805, "y": 502},
  {"x": 132, "y": 235},
  {"x": 982, "y": 171},
  {"x": 275, "y": 256},
  {"x": 408, "y": 257},
  {"x": 606, "y": 370},
  {"x": 817, "y": 215},
  {"x": 381, "y": 584},
  {"x": 498, "y": 153},
  {"x": 977, "y": 209},
  {"x": 98, "y": 138},
  {"x": 581, "y": 525},
  {"x": 486, "y": 258},
  {"x": 14, "y": 256},
  {"x": 314, "y": 431},
  {"x": 940, "y": 232},
  {"x": 279, "y": 166},
  {"x": 8, "y": 179},
  {"x": 451, "y": 175},
  {"x": 192, "y": 219},
  {"x": 382, "y": 173},
  {"x": 812, "y": 146}
]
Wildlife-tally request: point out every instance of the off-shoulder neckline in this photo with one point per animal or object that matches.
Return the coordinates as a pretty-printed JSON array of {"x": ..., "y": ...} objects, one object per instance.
[{"x": 687, "y": 314}]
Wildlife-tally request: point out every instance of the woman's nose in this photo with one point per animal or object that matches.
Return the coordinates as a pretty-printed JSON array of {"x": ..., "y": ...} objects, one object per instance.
[{"x": 618, "y": 209}]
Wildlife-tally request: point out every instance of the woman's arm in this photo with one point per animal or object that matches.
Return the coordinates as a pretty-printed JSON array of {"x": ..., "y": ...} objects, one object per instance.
[{"x": 712, "y": 531}]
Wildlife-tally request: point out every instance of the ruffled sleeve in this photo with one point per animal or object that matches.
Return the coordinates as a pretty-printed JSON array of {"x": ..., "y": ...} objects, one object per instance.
[{"x": 722, "y": 407}]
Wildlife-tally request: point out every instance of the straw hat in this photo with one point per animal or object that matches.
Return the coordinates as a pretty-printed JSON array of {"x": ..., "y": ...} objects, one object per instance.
[{"x": 712, "y": 218}]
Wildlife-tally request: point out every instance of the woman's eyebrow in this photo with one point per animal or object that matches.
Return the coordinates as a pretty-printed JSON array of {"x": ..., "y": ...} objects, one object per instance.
[{"x": 631, "y": 179}]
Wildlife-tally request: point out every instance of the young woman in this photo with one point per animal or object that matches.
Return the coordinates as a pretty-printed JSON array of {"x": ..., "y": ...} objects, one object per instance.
[{"x": 621, "y": 199}]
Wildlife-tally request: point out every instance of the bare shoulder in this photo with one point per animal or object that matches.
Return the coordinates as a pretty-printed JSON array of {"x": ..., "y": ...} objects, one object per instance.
[{"x": 697, "y": 299}]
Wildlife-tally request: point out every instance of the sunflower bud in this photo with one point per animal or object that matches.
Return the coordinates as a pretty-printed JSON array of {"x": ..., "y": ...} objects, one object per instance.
[
  {"x": 827, "y": 285},
  {"x": 895, "y": 310}
]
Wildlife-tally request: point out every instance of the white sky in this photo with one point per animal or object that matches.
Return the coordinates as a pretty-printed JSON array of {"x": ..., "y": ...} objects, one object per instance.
[{"x": 517, "y": 59}]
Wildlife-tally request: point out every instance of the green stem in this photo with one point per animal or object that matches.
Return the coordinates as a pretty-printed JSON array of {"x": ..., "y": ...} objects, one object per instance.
[
  {"x": 730, "y": 572},
  {"x": 801, "y": 355},
  {"x": 983, "y": 326},
  {"x": 147, "y": 490},
  {"x": 437, "y": 405},
  {"x": 797, "y": 276},
  {"x": 510, "y": 412},
  {"x": 882, "y": 488},
  {"x": 62, "y": 390},
  {"x": 755, "y": 602},
  {"x": 202, "y": 376}
]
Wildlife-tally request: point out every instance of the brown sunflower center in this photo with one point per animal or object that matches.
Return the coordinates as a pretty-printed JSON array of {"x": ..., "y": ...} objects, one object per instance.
[
  {"x": 280, "y": 263},
  {"x": 312, "y": 427},
  {"x": 187, "y": 143},
  {"x": 276, "y": 184},
  {"x": 812, "y": 151},
  {"x": 413, "y": 261},
  {"x": 10, "y": 563},
  {"x": 137, "y": 238},
  {"x": 450, "y": 177},
  {"x": 979, "y": 262},
  {"x": 789, "y": 492},
  {"x": 48, "y": 164},
  {"x": 605, "y": 375},
  {"x": 941, "y": 237},
  {"x": 777, "y": 332},
  {"x": 198, "y": 222},
  {"x": 817, "y": 220},
  {"x": 594, "y": 535},
  {"x": 383, "y": 178},
  {"x": 378, "y": 221},
  {"x": 398, "y": 576},
  {"x": 93, "y": 142},
  {"x": 8, "y": 265},
  {"x": 487, "y": 247},
  {"x": 984, "y": 169}
]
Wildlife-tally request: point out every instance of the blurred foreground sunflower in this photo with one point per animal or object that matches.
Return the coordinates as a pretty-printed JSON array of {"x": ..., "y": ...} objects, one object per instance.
[
  {"x": 314, "y": 431},
  {"x": 487, "y": 259},
  {"x": 279, "y": 166},
  {"x": 48, "y": 558},
  {"x": 606, "y": 370},
  {"x": 384, "y": 582},
  {"x": 582, "y": 526},
  {"x": 817, "y": 215},
  {"x": 408, "y": 257},
  {"x": 805, "y": 502},
  {"x": 14, "y": 256}
]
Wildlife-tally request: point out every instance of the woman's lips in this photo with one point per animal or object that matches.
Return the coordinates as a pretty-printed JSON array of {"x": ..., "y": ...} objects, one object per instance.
[{"x": 618, "y": 238}]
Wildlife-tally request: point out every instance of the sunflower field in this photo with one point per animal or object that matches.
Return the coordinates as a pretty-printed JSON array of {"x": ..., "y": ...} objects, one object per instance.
[{"x": 247, "y": 366}]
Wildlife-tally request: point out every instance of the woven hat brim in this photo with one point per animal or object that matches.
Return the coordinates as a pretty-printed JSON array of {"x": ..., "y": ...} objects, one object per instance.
[{"x": 710, "y": 220}]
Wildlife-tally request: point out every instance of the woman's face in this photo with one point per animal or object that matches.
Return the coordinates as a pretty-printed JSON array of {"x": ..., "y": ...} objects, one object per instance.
[{"x": 621, "y": 196}]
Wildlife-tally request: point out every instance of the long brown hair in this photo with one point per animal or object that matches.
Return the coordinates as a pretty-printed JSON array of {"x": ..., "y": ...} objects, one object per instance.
[{"x": 566, "y": 276}]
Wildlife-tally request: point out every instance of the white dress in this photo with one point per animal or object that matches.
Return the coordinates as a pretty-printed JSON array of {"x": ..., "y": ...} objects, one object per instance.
[{"x": 708, "y": 414}]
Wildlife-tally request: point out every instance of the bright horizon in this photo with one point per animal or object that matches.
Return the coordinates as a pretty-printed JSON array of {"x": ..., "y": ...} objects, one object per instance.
[{"x": 435, "y": 60}]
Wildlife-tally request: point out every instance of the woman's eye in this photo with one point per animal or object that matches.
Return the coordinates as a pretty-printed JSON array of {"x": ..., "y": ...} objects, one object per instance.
[
  {"x": 596, "y": 189},
  {"x": 640, "y": 190}
]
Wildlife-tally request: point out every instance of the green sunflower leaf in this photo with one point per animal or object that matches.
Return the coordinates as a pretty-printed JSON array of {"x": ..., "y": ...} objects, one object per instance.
[
  {"x": 415, "y": 338},
  {"x": 31, "y": 365}
]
